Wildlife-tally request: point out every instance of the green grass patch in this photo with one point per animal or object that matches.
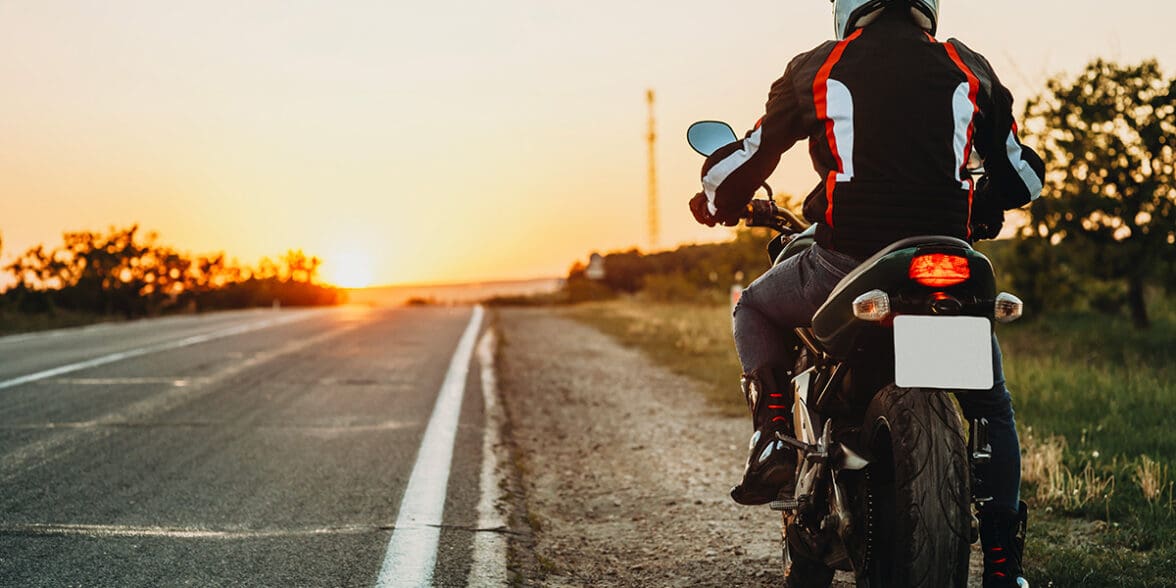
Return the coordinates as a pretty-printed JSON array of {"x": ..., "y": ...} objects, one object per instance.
[
  {"x": 1105, "y": 392},
  {"x": 1066, "y": 552},
  {"x": 1103, "y": 385},
  {"x": 1096, "y": 406}
]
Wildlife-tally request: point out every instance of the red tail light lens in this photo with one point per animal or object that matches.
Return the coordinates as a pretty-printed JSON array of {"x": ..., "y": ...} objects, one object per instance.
[{"x": 940, "y": 269}]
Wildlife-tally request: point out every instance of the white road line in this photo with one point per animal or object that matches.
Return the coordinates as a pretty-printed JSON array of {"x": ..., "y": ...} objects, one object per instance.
[
  {"x": 137, "y": 324},
  {"x": 16, "y": 459},
  {"x": 174, "y": 381},
  {"x": 87, "y": 530},
  {"x": 489, "y": 564},
  {"x": 166, "y": 346},
  {"x": 412, "y": 550}
]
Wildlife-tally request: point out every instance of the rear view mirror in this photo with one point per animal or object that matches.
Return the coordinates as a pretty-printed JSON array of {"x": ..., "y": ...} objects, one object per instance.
[{"x": 707, "y": 136}]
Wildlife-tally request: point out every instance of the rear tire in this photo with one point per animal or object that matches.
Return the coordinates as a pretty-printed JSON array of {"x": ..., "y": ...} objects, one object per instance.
[{"x": 918, "y": 513}]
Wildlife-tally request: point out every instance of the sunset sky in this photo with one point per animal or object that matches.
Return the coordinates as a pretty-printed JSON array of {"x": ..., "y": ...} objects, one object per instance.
[{"x": 433, "y": 141}]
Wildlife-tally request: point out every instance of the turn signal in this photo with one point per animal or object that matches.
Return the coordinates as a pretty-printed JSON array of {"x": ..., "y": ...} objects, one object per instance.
[
  {"x": 872, "y": 306},
  {"x": 1008, "y": 308},
  {"x": 940, "y": 269}
]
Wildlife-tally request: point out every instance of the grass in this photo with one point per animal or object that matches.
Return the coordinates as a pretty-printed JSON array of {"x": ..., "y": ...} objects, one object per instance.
[
  {"x": 1096, "y": 408},
  {"x": 1096, "y": 397},
  {"x": 689, "y": 339}
]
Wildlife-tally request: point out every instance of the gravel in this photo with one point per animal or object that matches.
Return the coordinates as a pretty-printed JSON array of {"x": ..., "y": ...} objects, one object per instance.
[{"x": 624, "y": 467}]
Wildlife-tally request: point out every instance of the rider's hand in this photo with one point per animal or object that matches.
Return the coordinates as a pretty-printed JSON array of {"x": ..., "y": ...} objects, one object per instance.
[
  {"x": 986, "y": 225},
  {"x": 701, "y": 212},
  {"x": 987, "y": 214}
]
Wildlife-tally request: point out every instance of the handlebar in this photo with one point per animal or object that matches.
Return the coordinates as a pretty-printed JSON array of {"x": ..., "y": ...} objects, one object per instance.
[{"x": 765, "y": 213}]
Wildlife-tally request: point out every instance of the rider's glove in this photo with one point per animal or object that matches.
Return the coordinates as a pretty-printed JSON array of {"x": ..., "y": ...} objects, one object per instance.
[
  {"x": 989, "y": 227},
  {"x": 987, "y": 214},
  {"x": 701, "y": 212}
]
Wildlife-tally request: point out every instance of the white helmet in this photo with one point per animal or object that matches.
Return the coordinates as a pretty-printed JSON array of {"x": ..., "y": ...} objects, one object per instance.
[{"x": 851, "y": 14}]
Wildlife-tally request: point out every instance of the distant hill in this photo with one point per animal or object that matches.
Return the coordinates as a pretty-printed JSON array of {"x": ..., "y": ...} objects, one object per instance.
[{"x": 451, "y": 293}]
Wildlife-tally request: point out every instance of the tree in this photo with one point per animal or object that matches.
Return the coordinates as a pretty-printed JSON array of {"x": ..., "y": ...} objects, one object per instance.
[
  {"x": 1108, "y": 139},
  {"x": 126, "y": 272},
  {"x": 300, "y": 267}
]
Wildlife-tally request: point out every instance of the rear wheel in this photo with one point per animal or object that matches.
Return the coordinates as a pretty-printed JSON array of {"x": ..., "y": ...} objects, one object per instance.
[{"x": 917, "y": 507}]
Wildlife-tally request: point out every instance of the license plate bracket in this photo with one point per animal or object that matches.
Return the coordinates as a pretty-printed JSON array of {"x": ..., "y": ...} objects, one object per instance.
[{"x": 950, "y": 352}]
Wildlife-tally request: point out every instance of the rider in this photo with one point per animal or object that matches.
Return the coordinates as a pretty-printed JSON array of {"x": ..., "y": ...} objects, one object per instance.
[{"x": 892, "y": 116}]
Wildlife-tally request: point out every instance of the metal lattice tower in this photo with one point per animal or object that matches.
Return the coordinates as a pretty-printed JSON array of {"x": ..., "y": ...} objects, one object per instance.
[{"x": 652, "y": 188}]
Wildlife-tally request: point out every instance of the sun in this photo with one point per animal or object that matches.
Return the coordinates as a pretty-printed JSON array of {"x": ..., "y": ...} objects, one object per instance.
[{"x": 349, "y": 269}]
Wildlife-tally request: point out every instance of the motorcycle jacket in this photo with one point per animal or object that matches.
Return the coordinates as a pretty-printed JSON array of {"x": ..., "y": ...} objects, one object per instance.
[{"x": 892, "y": 116}]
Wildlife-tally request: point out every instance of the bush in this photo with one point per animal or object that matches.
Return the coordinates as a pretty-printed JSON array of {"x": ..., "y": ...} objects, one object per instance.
[{"x": 690, "y": 273}]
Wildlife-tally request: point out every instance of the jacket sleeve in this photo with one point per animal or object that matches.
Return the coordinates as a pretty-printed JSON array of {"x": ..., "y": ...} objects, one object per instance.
[
  {"x": 1015, "y": 172},
  {"x": 733, "y": 173}
]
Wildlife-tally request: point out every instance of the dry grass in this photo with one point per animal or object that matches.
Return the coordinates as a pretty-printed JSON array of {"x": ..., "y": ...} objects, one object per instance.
[
  {"x": 1041, "y": 458},
  {"x": 689, "y": 336},
  {"x": 1056, "y": 485},
  {"x": 1152, "y": 478}
]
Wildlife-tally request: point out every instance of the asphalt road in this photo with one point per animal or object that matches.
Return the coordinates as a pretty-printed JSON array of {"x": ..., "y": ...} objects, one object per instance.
[{"x": 259, "y": 448}]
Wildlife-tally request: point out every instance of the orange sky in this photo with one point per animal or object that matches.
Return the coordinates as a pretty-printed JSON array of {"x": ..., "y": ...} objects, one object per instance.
[{"x": 428, "y": 141}]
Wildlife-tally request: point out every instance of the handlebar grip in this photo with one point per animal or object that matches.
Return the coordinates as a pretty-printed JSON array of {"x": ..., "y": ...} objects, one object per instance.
[
  {"x": 765, "y": 213},
  {"x": 760, "y": 212}
]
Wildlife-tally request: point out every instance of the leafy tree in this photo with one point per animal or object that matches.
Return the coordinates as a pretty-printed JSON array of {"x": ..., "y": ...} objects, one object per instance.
[
  {"x": 1108, "y": 138},
  {"x": 299, "y": 267},
  {"x": 128, "y": 273}
]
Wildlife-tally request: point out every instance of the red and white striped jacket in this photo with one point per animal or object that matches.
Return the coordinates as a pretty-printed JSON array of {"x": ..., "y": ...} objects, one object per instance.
[{"x": 892, "y": 116}]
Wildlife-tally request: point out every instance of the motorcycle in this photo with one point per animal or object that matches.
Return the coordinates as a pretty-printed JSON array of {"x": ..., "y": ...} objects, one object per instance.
[{"x": 886, "y": 478}]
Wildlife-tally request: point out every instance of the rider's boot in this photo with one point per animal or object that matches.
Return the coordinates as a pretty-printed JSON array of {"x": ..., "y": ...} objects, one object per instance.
[
  {"x": 771, "y": 466},
  {"x": 1002, "y": 536}
]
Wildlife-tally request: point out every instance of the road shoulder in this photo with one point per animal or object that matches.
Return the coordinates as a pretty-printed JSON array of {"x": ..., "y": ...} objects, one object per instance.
[{"x": 624, "y": 466}]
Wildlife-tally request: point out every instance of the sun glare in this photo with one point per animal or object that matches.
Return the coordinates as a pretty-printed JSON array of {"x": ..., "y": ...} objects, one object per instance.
[{"x": 350, "y": 269}]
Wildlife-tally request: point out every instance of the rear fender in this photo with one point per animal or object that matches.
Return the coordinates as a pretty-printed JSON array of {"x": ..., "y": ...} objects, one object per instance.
[{"x": 838, "y": 330}]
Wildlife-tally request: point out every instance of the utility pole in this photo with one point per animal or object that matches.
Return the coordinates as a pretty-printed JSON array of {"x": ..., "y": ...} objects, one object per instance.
[{"x": 652, "y": 188}]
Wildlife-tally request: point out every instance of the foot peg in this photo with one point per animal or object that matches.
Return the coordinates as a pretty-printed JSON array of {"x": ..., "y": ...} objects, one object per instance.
[{"x": 795, "y": 443}]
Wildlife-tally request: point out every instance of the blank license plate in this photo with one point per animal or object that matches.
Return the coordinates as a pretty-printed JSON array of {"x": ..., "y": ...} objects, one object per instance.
[{"x": 953, "y": 352}]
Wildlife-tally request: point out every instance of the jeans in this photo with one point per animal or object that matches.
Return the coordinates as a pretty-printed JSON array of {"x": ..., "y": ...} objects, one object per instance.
[{"x": 787, "y": 295}]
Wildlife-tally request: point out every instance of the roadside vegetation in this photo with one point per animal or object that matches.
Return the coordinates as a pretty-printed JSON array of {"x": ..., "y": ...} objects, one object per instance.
[
  {"x": 1092, "y": 365},
  {"x": 1095, "y": 401},
  {"x": 124, "y": 273}
]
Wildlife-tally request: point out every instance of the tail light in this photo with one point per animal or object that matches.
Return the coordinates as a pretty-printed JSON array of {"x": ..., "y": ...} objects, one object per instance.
[
  {"x": 940, "y": 269},
  {"x": 872, "y": 306},
  {"x": 1008, "y": 308}
]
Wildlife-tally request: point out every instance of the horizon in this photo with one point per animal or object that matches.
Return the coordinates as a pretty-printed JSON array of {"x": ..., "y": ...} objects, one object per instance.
[{"x": 454, "y": 284}]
